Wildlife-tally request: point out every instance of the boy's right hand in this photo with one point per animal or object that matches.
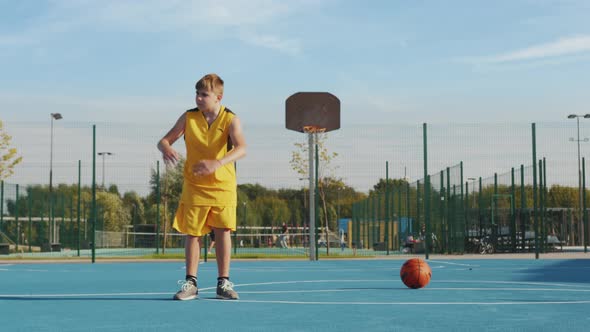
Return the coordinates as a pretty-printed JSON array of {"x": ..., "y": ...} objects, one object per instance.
[{"x": 170, "y": 156}]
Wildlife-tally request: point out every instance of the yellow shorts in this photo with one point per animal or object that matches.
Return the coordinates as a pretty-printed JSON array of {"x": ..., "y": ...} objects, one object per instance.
[{"x": 199, "y": 220}]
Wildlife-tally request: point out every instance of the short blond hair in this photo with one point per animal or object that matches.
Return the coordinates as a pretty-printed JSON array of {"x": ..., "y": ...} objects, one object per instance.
[{"x": 210, "y": 82}]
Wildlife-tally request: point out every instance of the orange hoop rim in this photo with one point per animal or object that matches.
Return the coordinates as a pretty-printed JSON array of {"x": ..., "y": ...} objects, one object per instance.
[{"x": 313, "y": 129}]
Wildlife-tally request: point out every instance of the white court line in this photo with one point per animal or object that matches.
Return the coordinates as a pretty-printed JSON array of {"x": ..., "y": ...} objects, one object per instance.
[
  {"x": 312, "y": 281},
  {"x": 283, "y": 269},
  {"x": 397, "y": 279},
  {"x": 77, "y": 295},
  {"x": 28, "y": 270},
  {"x": 207, "y": 289},
  {"x": 453, "y": 263},
  {"x": 408, "y": 303},
  {"x": 561, "y": 290}
]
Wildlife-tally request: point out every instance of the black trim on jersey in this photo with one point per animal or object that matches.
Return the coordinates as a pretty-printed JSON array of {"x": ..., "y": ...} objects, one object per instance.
[{"x": 230, "y": 145}]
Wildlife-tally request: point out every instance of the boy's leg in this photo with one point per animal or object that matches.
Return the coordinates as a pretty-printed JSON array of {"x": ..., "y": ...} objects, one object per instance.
[
  {"x": 222, "y": 251},
  {"x": 225, "y": 289},
  {"x": 189, "y": 290},
  {"x": 192, "y": 252}
]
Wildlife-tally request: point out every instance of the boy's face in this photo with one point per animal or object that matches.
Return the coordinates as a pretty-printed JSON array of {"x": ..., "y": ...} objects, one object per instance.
[{"x": 207, "y": 100}]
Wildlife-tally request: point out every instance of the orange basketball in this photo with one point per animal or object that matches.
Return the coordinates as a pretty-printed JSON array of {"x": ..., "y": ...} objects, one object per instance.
[{"x": 415, "y": 273}]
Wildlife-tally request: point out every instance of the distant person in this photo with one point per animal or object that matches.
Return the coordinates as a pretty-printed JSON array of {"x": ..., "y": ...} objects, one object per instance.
[
  {"x": 283, "y": 236},
  {"x": 212, "y": 244},
  {"x": 409, "y": 243},
  {"x": 272, "y": 241},
  {"x": 214, "y": 141}
]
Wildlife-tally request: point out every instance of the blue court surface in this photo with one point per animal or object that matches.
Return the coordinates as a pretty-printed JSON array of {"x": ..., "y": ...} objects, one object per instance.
[{"x": 328, "y": 295}]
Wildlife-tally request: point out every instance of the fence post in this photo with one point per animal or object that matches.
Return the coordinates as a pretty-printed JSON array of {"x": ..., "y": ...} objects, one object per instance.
[
  {"x": 584, "y": 204},
  {"x": 1, "y": 204},
  {"x": 78, "y": 208},
  {"x": 157, "y": 207},
  {"x": 535, "y": 214},
  {"x": 30, "y": 203},
  {"x": 426, "y": 193},
  {"x": 94, "y": 214},
  {"x": 16, "y": 213},
  {"x": 387, "y": 216},
  {"x": 462, "y": 226}
]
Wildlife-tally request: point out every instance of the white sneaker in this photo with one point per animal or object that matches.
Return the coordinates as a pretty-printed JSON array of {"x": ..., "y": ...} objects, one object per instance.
[
  {"x": 188, "y": 291},
  {"x": 225, "y": 290}
]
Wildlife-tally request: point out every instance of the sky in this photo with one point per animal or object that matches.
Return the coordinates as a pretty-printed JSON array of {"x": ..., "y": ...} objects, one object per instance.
[
  {"x": 389, "y": 62},
  {"x": 410, "y": 62}
]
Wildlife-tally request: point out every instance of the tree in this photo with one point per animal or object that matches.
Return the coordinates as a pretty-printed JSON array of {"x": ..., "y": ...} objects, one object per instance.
[
  {"x": 382, "y": 185},
  {"x": 134, "y": 205},
  {"x": 8, "y": 156},
  {"x": 300, "y": 157},
  {"x": 170, "y": 190},
  {"x": 560, "y": 196},
  {"x": 113, "y": 214},
  {"x": 246, "y": 215},
  {"x": 295, "y": 199},
  {"x": 253, "y": 191},
  {"x": 272, "y": 210}
]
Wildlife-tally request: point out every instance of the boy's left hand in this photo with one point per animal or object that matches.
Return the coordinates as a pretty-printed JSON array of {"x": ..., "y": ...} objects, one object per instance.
[{"x": 206, "y": 167}]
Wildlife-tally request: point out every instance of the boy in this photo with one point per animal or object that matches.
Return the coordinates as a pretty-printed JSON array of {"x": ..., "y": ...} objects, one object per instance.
[{"x": 214, "y": 141}]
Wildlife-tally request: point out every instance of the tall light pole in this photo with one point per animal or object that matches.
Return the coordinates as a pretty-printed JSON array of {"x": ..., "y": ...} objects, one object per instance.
[
  {"x": 53, "y": 235},
  {"x": 577, "y": 117},
  {"x": 103, "y": 155}
]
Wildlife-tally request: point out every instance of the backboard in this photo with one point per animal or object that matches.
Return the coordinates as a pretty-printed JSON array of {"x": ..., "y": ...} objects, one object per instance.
[{"x": 312, "y": 109}]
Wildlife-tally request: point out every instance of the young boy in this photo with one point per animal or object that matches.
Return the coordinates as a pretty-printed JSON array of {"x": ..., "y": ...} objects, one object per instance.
[{"x": 214, "y": 141}]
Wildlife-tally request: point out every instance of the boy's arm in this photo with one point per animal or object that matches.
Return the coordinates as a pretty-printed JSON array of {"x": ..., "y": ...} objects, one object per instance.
[
  {"x": 165, "y": 144},
  {"x": 239, "y": 143}
]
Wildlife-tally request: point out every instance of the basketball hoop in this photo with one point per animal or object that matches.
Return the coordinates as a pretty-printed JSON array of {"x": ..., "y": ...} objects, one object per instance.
[
  {"x": 313, "y": 129},
  {"x": 312, "y": 113}
]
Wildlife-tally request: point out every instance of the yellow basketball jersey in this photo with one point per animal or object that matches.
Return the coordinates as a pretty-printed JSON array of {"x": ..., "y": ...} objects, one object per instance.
[{"x": 204, "y": 141}]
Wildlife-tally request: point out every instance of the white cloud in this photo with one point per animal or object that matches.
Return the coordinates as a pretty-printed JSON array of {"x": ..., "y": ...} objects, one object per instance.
[
  {"x": 78, "y": 108},
  {"x": 181, "y": 14},
  {"x": 252, "y": 21},
  {"x": 559, "y": 48},
  {"x": 288, "y": 46}
]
